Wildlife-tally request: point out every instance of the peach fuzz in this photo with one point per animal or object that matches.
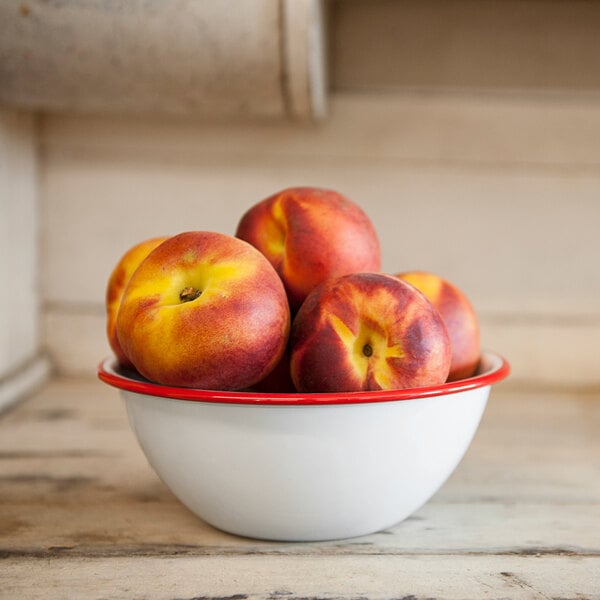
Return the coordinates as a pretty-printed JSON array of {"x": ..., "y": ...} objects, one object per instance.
[
  {"x": 367, "y": 331},
  {"x": 310, "y": 235},
  {"x": 458, "y": 315},
  {"x": 204, "y": 310},
  {"x": 117, "y": 282}
]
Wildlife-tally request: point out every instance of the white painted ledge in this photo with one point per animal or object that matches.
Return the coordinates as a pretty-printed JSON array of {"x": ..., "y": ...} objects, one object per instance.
[
  {"x": 17, "y": 385},
  {"x": 215, "y": 58}
]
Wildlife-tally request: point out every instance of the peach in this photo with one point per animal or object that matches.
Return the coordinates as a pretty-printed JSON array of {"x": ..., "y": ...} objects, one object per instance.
[
  {"x": 117, "y": 282},
  {"x": 459, "y": 316},
  {"x": 367, "y": 331},
  {"x": 204, "y": 310},
  {"x": 310, "y": 235},
  {"x": 279, "y": 380}
]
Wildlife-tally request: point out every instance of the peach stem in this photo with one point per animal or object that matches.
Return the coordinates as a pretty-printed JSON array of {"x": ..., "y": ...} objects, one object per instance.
[{"x": 188, "y": 294}]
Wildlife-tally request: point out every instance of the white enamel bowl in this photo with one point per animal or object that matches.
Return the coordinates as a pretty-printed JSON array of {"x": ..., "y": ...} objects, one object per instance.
[{"x": 300, "y": 467}]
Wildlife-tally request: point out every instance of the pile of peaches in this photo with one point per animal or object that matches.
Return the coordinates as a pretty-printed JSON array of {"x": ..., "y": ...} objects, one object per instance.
[{"x": 294, "y": 302}]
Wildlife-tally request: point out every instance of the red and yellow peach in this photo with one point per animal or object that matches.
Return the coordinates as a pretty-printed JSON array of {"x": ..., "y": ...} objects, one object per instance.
[
  {"x": 204, "y": 310},
  {"x": 117, "y": 282},
  {"x": 310, "y": 235},
  {"x": 367, "y": 331},
  {"x": 458, "y": 315}
]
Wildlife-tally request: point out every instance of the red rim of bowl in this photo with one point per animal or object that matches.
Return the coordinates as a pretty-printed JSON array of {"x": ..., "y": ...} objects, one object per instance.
[{"x": 496, "y": 368}]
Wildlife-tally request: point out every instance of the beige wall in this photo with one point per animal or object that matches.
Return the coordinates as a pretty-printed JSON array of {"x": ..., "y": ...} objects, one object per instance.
[
  {"x": 499, "y": 194},
  {"x": 500, "y": 45},
  {"x": 469, "y": 132},
  {"x": 21, "y": 366}
]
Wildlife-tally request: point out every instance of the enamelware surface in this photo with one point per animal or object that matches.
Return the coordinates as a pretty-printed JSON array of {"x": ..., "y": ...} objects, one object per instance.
[
  {"x": 305, "y": 467},
  {"x": 493, "y": 368}
]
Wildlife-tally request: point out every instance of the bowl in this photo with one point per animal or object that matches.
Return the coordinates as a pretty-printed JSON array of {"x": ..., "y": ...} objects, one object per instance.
[{"x": 305, "y": 467}]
